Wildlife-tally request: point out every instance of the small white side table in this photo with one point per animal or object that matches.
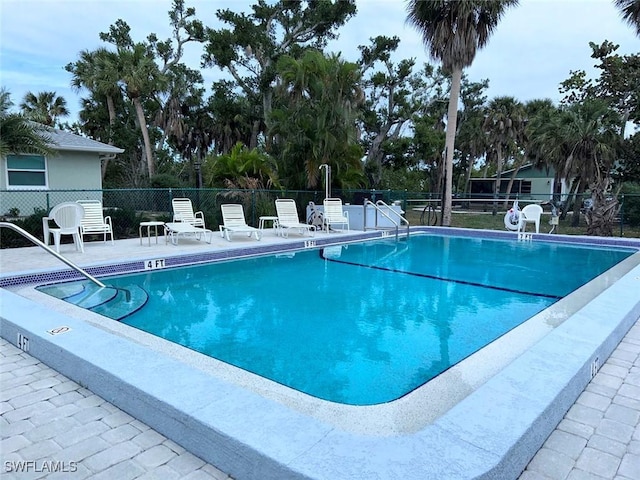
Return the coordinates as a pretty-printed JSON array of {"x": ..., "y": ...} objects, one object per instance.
[
  {"x": 148, "y": 225},
  {"x": 273, "y": 220}
]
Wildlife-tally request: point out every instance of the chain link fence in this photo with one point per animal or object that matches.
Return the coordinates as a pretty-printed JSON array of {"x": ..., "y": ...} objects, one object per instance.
[{"x": 129, "y": 207}]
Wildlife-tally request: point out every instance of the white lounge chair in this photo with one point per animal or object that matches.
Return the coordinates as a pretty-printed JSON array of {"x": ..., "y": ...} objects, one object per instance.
[
  {"x": 67, "y": 217},
  {"x": 333, "y": 214},
  {"x": 288, "y": 218},
  {"x": 173, "y": 230},
  {"x": 234, "y": 222},
  {"x": 94, "y": 222},
  {"x": 183, "y": 212},
  {"x": 530, "y": 214}
]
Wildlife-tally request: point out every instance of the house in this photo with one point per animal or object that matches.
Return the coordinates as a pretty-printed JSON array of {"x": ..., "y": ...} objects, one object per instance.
[
  {"x": 529, "y": 183},
  {"x": 29, "y": 182}
]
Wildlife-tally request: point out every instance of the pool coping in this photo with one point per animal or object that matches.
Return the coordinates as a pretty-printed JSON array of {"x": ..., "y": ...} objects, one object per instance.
[{"x": 251, "y": 437}]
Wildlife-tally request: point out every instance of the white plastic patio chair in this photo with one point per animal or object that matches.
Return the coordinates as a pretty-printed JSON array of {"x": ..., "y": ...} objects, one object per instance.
[
  {"x": 233, "y": 222},
  {"x": 94, "y": 222},
  {"x": 333, "y": 214},
  {"x": 67, "y": 217},
  {"x": 288, "y": 218},
  {"x": 183, "y": 212},
  {"x": 530, "y": 214}
]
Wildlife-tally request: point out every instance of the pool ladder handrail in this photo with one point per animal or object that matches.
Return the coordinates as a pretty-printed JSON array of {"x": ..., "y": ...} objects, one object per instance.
[
  {"x": 33, "y": 239},
  {"x": 377, "y": 206}
]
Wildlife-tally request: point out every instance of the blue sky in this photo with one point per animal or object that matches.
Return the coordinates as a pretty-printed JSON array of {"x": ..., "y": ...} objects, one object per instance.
[{"x": 533, "y": 50}]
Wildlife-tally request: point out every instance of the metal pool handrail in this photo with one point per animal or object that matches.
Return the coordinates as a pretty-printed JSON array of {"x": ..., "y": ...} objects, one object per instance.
[
  {"x": 377, "y": 206},
  {"x": 391, "y": 210},
  {"x": 33, "y": 239}
]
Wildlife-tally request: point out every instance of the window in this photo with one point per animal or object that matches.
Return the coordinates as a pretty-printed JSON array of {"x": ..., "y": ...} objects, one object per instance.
[
  {"x": 26, "y": 171},
  {"x": 525, "y": 187}
]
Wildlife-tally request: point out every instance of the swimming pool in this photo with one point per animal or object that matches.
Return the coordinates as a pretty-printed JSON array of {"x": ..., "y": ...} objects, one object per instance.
[
  {"x": 361, "y": 324},
  {"x": 484, "y": 418}
]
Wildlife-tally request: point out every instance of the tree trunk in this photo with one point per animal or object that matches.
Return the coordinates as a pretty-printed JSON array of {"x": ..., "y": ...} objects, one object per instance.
[
  {"x": 570, "y": 198},
  {"x": 112, "y": 121},
  {"x": 467, "y": 178},
  {"x": 577, "y": 203},
  {"x": 601, "y": 215},
  {"x": 452, "y": 117},
  {"x": 510, "y": 184},
  {"x": 267, "y": 100},
  {"x": 496, "y": 185},
  {"x": 145, "y": 136},
  {"x": 374, "y": 156},
  {"x": 255, "y": 130},
  {"x": 600, "y": 218}
]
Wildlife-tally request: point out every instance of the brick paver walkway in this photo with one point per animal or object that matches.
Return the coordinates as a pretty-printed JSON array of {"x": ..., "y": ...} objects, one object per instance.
[
  {"x": 50, "y": 422},
  {"x": 599, "y": 437}
]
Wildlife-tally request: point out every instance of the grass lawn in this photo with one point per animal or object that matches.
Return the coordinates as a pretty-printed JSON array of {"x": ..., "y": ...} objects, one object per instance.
[{"x": 475, "y": 219}]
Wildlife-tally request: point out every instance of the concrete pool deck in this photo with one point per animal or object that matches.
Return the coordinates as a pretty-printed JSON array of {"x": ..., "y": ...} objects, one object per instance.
[{"x": 258, "y": 438}]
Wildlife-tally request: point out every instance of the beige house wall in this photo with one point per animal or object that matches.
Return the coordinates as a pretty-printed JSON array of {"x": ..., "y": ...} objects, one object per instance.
[
  {"x": 74, "y": 171},
  {"x": 68, "y": 170}
]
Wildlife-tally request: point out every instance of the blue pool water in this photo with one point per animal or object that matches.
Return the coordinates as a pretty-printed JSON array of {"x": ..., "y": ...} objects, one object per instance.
[{"x": 360, "y": 324}]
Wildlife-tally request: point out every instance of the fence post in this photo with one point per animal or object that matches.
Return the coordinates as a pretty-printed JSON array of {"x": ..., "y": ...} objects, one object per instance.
[
  {"x": 622, "y": 215},
  {"x": 48, "y": 203},
  {"x": 253, "y": 207},
  {"x": 170, "y": 201}
]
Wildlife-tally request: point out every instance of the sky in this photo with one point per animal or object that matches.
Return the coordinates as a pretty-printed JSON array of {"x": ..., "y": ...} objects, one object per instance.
[{"x": 534, "y": 48}]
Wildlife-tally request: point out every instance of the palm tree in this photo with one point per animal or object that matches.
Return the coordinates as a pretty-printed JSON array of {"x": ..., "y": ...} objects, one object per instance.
[
  {"x": 18, "y": 134},
  {"x": 97, "y": 72},
  {"x": 581, "y": 141},
  {"x": 140, "y": 75},
  {"x": 504, "y": 124},
  {"x": 195, "y": 138},
  {"x": 591, "y": 134},
  {"x": 234, "y": 118},
  {"x": 453, "y": 31},
  {"x": 630, "y": 11},
  {"x": 45, "y": 107},
  {"x": 241, "y": 168},
  {"x": 316, "y": 122}
]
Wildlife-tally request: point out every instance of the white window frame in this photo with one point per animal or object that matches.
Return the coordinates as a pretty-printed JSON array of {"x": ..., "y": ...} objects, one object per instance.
[{"x": 27, "y": 187}]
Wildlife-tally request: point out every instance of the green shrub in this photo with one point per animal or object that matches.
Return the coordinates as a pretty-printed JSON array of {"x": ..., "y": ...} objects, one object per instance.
[
  {"x": 631, "y": 203},
  {"x": 125, "y": 222},
  {"x": 165, "y": 180},
  {"x": 32, "y": 224}
]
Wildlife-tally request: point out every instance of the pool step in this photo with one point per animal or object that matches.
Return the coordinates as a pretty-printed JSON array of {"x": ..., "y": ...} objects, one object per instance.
[
  {"x": 127, "y": 301},
  {"x": 63, "y": 290},
  {"x": 112, "y": 302},
  {"x": 93, "y": 296}
]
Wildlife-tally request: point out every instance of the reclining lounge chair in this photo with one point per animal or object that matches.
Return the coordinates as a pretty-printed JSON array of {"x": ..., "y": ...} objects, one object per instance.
[
  {"x": 334, "y": 215},
  {"x": 233, "y": 222},
  {"x": 173, "y": 230},
  {"x": 183, "y": 212},
  {"x": 288, "y": 219}
]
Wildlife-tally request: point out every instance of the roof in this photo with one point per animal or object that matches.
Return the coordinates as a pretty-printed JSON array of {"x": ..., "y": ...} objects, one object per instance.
[
  {"x": 547, "y": 172},
  {"x": 61, "y": 140}
]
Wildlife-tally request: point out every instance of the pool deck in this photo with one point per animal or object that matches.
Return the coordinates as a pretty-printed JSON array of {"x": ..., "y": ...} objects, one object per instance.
[{"x": 46, "y": 417}]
